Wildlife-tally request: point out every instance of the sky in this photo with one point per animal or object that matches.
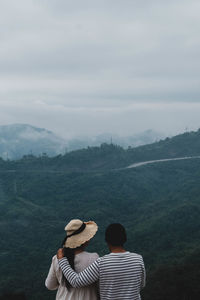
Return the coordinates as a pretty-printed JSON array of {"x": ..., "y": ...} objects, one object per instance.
[{"x": 86, "y": 67}]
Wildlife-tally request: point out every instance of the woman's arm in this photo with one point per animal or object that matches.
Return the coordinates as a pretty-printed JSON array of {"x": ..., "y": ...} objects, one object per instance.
[{"x": 51, "y": 281}]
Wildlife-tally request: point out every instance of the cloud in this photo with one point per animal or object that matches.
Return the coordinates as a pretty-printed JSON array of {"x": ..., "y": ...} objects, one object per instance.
[{"x": 114, "y": 59}]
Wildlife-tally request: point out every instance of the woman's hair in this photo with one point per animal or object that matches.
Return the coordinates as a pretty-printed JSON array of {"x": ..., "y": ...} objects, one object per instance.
[{"x": 69, "y": 253}]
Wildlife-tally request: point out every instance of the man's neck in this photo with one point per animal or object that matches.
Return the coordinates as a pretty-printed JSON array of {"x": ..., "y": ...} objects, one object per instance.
[{"x": 116, "y": 249}]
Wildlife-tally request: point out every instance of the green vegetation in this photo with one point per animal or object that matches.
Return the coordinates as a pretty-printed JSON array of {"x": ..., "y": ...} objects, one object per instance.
[{"x": 159, "y": 204}]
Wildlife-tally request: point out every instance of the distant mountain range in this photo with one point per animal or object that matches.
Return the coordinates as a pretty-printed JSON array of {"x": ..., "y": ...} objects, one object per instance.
[{"x": 17, "y": 140}]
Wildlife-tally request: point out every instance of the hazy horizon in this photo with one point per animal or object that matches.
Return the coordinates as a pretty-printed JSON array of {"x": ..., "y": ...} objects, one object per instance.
[{"x": 105, "y": 134}]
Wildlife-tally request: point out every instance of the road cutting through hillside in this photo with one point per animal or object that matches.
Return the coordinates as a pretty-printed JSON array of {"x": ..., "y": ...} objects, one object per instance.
[
  {"x": 134, "y": 165},
  {"x": 143, "y": 163}
]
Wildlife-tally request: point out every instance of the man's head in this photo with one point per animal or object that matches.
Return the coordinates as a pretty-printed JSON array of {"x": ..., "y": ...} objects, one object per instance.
[{"x": 115, "y": 235}]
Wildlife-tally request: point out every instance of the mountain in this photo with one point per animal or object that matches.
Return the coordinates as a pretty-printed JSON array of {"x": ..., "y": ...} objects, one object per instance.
[
  {"x": 159, "y": 204},
  {"x": 110, "y": 157},
  {"x": 135, "y": 140},
  {"x": 21, "y": 139},
  {"x": 17, "y": 140}
]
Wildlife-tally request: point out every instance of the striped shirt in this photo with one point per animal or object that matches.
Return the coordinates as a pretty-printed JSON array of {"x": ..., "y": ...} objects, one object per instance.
[{"x": 121, "y": 275}]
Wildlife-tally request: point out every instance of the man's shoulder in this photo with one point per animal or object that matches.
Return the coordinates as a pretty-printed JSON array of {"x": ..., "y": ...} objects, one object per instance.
[
  {"x": 125, "y": 255},
  {"x": 136, "y": 256},
  {"x": 133, "y": 254}
]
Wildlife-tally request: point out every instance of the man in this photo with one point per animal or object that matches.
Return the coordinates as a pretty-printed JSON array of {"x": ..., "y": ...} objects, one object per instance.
[{"x": 121, "y": 274}]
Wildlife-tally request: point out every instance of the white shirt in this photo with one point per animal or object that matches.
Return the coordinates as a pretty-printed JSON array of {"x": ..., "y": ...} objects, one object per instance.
[{"x": 54, "y": 279}]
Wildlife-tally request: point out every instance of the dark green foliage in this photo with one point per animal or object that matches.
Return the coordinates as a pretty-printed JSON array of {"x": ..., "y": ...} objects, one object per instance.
[
  {"x": 177, "y": 281},
  {"x": 159, "y": 205},
  {"x": 8, "y": 296}
]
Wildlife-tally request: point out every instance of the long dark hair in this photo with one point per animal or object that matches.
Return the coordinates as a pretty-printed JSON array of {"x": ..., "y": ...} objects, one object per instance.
[{"x": 69, "y": 253}]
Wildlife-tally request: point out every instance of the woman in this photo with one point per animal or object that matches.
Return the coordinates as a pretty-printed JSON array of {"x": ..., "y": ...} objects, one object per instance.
[{"x": 78, "y": 235}]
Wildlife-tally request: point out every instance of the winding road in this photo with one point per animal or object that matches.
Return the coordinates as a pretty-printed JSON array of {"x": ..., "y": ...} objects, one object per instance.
[
  {"x": 135, "y": 165},
  {"x": 143, "y": 163}
]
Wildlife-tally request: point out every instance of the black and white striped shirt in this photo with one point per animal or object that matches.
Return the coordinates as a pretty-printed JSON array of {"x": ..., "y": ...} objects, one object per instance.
[{"x": 121, "y": 275}]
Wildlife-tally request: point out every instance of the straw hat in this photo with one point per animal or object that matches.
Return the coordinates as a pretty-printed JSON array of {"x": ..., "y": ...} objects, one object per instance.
[{"x": 79, "y": 232}]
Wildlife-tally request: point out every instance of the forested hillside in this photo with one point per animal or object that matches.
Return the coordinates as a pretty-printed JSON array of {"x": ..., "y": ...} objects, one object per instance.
[
  {"x": 159, "y": 204},
  {"x": 107, "y": 157}
]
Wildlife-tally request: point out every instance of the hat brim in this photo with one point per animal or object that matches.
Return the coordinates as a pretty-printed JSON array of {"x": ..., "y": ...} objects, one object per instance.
[{"x": 79, "y": 239}]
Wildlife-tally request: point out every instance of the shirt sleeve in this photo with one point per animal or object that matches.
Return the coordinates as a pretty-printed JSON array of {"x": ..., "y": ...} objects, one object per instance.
[
  {"x": 86, "y": 277},
  {"x": 51, "y": 281},
  {"x": 143, "y": 281}
]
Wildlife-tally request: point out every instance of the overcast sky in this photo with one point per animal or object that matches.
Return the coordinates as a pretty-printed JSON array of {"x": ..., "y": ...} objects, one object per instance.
[{"x": 84, "y": 67}]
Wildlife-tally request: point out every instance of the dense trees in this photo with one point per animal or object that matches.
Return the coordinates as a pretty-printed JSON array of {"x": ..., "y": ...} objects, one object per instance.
[
  {"x": 177, "y": 281},
  {"x": 9, "y": 296},
  {"x": 158, "y": 204}
]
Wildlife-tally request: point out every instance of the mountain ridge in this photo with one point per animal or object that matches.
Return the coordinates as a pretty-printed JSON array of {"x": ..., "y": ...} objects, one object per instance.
[
  {"x": 17, "y": 140},
  {"x": 110, "y": 156}
]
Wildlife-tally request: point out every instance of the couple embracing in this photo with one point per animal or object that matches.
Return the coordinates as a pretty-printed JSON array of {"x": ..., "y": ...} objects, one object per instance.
[{"x": 80, "y": 275}]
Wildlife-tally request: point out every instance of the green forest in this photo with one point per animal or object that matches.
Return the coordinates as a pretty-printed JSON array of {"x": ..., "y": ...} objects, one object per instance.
[{"x": 159, "y": 205}]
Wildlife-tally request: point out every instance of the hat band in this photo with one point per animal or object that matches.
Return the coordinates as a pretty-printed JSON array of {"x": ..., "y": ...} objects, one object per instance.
[{"x": 78, "y": 230}]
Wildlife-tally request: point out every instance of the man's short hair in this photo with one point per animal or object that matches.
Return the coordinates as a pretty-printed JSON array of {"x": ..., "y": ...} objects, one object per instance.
[{"x": 115, "y": 234}]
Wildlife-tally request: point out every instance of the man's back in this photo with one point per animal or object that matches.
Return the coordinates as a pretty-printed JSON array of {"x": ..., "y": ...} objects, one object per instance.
[{"x": 121, "y": 276}]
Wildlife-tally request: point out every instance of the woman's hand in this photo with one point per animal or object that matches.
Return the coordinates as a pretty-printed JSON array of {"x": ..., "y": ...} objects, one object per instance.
[{"x": 60, "y": 253}]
